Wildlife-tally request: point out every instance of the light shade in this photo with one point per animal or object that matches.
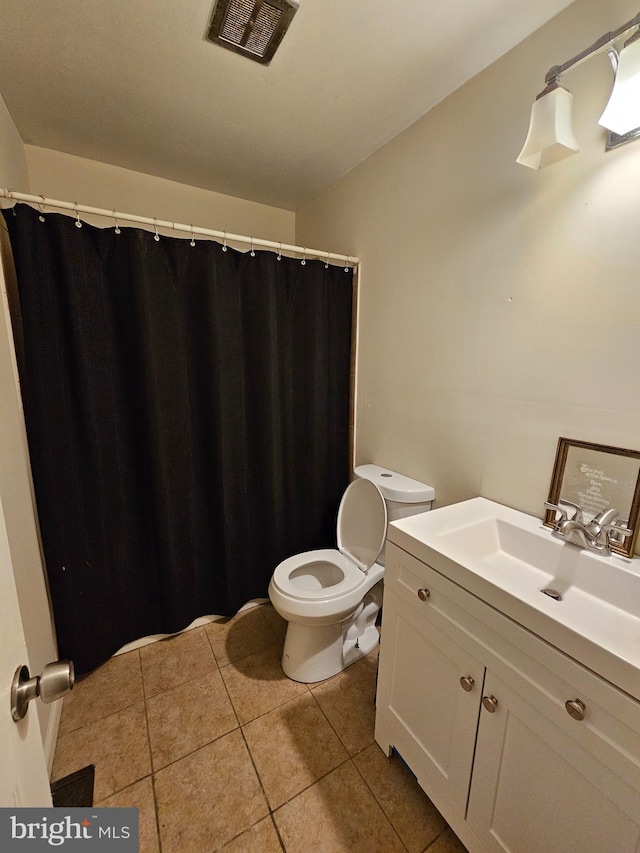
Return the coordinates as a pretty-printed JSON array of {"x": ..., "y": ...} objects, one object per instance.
[
  {"x": 550, "y": 136},
  {"x": 622, "y": 113}
]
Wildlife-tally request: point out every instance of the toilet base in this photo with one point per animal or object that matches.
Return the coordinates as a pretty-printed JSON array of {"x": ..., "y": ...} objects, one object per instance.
[{"x": 314, "y": 652}]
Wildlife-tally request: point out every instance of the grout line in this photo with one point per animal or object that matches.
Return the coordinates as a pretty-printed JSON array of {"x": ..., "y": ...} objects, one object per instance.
[
  {"x": 157, "y": 770},
  {"x": 255, "y": 770},
  {"x": 153, "y": 780},
  {"x": 106, "y": 716},
  {"x": 275, "y": 826},
  {"x": 311, "y": 784},
  {"x": 213, "y": 740},
  {"x": 155, "y": 807},
  {"x": 270, "y": 626},
  {"x": 206, "y": 633},
  {"x": 98, "y": 720},
  {"x": 373, "y": 794},
  {"x": 239, "y": 725},
  {"x": 331, "y": 726}
]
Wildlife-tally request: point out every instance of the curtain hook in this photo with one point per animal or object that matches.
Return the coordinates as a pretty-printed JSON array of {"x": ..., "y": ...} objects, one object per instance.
[
  {"x": 192, "y": 242},
  {"x": 279, "y": 256},
  {"x": 41, "y": 208},
  {"x": 224, "y": 242},
  {"x": 326, "y": 266},
  {"x": 78, "y": 223},
  {"x": 9, "y": 194},
  {"x": 304, "y": 256},
  {"x": 156, "y": 235},
  {"x": 346, "y": 266},
  {"x": 253, "y": 253},
  {"x": 115, "y": 219}
]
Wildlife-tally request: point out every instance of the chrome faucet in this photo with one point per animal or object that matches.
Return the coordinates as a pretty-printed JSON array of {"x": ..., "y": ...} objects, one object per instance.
[{"x": 597, "y": 535}]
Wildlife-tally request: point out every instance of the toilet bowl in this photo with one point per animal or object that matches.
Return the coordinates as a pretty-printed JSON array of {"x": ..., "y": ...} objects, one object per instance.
[{"x": 331, "y": 597}]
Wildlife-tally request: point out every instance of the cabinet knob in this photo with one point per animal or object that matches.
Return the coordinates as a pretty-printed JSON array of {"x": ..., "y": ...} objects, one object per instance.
[
  {"x": 467, "y": 682},
  {"x": 575, "y": 708},
  {"x": 423, "y": 594},
  {"x": 490, "y": 703}
]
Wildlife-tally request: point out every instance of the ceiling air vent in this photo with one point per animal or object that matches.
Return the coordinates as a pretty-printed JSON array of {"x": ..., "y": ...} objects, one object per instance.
[{"x": 254, "y": 29}]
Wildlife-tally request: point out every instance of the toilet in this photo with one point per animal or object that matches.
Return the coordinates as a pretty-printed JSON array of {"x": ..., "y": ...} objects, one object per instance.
[{"x": 331, "y": 597}]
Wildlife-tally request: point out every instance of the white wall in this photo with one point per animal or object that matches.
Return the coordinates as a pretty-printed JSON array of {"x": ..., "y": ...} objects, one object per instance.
[
  {"x": 70, "y": 178},
  {"x": 500, "y": 307},
  {"x": 15, "y": 482}
]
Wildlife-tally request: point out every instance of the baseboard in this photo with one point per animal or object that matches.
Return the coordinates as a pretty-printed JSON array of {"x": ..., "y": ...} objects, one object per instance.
[{"x": 51, "y": 737}]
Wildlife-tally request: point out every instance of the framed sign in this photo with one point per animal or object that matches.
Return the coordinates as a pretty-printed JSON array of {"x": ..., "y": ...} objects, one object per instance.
[{"x": 598, "y": 477}]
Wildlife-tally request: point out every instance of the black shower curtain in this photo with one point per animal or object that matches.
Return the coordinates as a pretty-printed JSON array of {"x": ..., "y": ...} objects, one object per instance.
[{"x": 187, "y": 413}]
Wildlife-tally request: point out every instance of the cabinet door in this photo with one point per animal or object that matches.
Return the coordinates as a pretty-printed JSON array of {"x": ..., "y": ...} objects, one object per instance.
[
  {"x": 422, "y": 709},
  {"x": 535, "y": 789}
]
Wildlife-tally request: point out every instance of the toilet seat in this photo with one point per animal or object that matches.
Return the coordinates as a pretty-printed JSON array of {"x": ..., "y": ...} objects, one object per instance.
[
  {"x": 329, "y": 573},
  {"x": 310, "y": 564}
]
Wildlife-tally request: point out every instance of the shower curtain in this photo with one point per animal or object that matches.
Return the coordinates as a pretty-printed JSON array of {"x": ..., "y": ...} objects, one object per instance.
[{"x": 187, "y": 413}]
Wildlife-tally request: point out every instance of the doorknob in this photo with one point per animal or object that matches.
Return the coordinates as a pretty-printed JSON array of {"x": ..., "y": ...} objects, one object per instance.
[{"x": 56, "y": 679}]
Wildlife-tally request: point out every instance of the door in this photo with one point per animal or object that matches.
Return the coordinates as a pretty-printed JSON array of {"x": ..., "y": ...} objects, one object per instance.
[
  {"x": 428, "y": 699},
  {"x": 536, "y": 789},
  {"x": 24, "y": 779}
]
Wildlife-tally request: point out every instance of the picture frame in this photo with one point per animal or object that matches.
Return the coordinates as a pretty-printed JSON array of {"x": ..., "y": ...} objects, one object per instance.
[{"x": 598, "y": 477}]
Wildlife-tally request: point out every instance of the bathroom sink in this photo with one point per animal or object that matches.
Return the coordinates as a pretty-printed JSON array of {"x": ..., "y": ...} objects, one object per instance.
[{"x": 508, "y": 558}]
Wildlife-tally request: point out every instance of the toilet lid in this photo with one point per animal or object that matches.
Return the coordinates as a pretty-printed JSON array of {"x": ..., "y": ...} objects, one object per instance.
[{"x": 362, "y": 523}]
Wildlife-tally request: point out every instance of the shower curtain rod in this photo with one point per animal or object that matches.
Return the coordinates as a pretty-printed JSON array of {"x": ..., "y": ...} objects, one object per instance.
[{"x": 42, "y": 202}]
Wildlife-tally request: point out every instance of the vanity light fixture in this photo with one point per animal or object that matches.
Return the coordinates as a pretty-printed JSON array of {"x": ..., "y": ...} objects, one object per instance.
[
  {"x": 622, "y": 113},
  {"x": 551, "y": 138}
]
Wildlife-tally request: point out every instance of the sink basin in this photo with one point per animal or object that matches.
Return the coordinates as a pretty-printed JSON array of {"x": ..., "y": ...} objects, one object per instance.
[{"x": 507, "y": 558}]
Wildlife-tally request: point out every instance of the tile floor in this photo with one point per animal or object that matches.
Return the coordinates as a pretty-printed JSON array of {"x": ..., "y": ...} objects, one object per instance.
[{"x": 220, "y": 751}]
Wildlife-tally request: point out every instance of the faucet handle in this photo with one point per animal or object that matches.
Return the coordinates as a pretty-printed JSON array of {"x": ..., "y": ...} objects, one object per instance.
[
  {"x": 616, "y": 533},
  {"x": 577, "y": 515},
  {"x": 555, "y": 508}
]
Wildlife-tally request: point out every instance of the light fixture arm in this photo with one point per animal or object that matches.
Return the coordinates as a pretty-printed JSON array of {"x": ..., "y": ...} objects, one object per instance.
[{"x": 604, "y": 43}]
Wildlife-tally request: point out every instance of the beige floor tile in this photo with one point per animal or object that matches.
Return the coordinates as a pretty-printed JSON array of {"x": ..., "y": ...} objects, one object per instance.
[
  {"x": 170, "y": 662},
  {"x": 337, "y": 814},
  {"x": 447, "y": 843},
  {"x": 139, "y": 796},
  {"x": 209, "y": 797},
  {"x": 113, "y": 686},
  {"x": 188, "y": 717},
  {"x": 348, "y": 701},
  {"x": 118, "y": 746},
  {"x": 277, "y": 623},
  {"x": 257, "y": 684},
  {"x": 261, "y": 838},
  {"x": 245, "y": 634},
  {"x": 292, "y": 746},
  {"x": 411, "y": 812}
]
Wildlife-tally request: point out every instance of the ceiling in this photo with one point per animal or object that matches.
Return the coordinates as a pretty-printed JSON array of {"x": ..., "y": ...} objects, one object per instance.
[{"x": 135, "y": 84}]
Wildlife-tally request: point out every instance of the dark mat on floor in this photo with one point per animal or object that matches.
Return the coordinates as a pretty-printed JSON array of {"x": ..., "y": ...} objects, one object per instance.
[{"x": 75, "y": 790}]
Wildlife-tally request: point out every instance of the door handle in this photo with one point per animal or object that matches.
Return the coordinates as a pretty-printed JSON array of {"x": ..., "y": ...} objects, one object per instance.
[{"x": 56, "y": 679}]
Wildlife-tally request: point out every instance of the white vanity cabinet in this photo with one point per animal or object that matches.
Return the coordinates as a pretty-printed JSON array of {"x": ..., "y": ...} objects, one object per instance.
[{"x": 476, "y": 706}]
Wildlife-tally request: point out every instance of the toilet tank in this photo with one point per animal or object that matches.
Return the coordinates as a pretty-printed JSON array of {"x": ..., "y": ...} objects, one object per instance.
[{"x": 403, "y": 496}]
